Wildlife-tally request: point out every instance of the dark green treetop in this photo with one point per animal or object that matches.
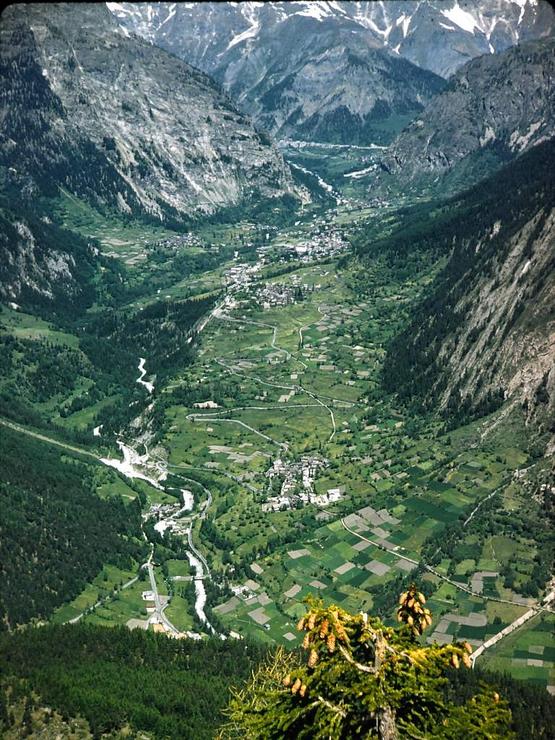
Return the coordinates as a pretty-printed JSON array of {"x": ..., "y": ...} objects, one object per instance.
[{"x": 363, "y": 679}]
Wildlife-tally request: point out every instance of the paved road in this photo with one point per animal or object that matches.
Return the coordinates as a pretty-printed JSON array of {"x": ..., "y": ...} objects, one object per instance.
[
  {"x": 514, "y": 625},
  {"x": 158, "y": 607},
  {"x": 435, "y": 572},
  {"x": 226, "y": 317},
  {"x": 49, "y": 440}
]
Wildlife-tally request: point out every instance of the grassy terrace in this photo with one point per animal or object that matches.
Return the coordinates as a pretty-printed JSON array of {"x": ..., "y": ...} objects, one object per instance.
[{"x": 403, "y": 480}]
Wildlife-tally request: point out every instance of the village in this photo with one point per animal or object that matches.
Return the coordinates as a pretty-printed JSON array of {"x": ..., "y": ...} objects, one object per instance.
[
  {"x": 296, "y": 484},
  {"x": 178, "y": 241},
  {"x": 321, "y": 245}
]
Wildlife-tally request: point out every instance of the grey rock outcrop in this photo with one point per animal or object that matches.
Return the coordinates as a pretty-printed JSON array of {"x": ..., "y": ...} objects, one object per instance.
[
  {"x": 494, "y": 109},
  {"x": 88, "y": 107}
]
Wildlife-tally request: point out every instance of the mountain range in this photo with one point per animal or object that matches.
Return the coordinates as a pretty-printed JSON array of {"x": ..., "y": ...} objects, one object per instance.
[{"x": 378, "y": 63}]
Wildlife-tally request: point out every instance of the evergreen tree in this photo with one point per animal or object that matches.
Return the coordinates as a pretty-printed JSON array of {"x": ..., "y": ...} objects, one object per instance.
[{"x": 363, "y": 679}]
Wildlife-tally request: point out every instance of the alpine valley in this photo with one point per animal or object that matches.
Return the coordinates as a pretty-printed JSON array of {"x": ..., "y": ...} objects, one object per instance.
[{"x": 277, "y": 334}]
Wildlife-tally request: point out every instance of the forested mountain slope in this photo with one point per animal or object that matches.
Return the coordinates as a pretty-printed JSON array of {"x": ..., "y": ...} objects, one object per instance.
[
  {"x": 118, "y": 679},
  {"x": 56, "y": 533},
  {"x": 486, "y": 331},
  {"x": 492, "y": 110},
  {"x": 149, "y": 686},
  {"x": 123, "y": 124}
]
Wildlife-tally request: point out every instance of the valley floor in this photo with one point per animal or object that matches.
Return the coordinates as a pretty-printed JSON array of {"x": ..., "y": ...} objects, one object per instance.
[{"x": 281, "y": 470}]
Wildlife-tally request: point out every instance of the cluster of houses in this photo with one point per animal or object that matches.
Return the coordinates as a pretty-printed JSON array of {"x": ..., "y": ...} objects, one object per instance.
[
  {"x": 177, "y": 241},
  {"x": 321, "y": 244},
  {"x": 280, "y": 294},
  {"x": 297, "y": 484},
  {"x": 246, "y": 590},
  {"x": 240, "y": 276}
]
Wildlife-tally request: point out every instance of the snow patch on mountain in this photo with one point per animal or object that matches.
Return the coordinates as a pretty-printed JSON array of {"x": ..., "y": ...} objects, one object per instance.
[
  {"x": 170, "y": 15},
  {"x": 317, "y": 10},
  {"x": 248, "y": 34},
  {"x": 462, "y": 18},
  {"x": 404, "y": 21}
]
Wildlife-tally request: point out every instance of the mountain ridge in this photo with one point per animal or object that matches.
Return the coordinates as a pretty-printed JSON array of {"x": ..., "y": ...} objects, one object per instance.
[
  {"x": 494, "y": 107},
  {"x": 406, "y": 28},
  {"x": 266, "y": 54},
  {"x": 485, "y": 333},
  {"x": 145, "y": 134}
]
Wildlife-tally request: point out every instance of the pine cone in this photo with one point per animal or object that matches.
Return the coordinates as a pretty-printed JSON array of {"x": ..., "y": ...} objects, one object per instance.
[
  {"x": 312, "y": 658},
  {"x": 341, "y": 634}
]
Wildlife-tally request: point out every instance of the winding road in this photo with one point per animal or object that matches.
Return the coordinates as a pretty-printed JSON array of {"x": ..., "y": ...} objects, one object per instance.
[{"x": 297, "y": 387}]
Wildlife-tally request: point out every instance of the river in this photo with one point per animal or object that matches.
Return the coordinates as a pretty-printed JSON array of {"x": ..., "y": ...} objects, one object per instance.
[{"x": 141, "y": 369}]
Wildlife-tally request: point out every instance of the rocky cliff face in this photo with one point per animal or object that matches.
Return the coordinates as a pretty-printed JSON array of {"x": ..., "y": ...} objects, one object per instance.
[
  {"x": 266, "y": 54},
  {"x": 486, "y": 333},
  {"x": 506, "y": 344},
  {"x": 493, "y": 109},
  {"x": 87, "y": 107},
  {"x": 43, "y": 266}
]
